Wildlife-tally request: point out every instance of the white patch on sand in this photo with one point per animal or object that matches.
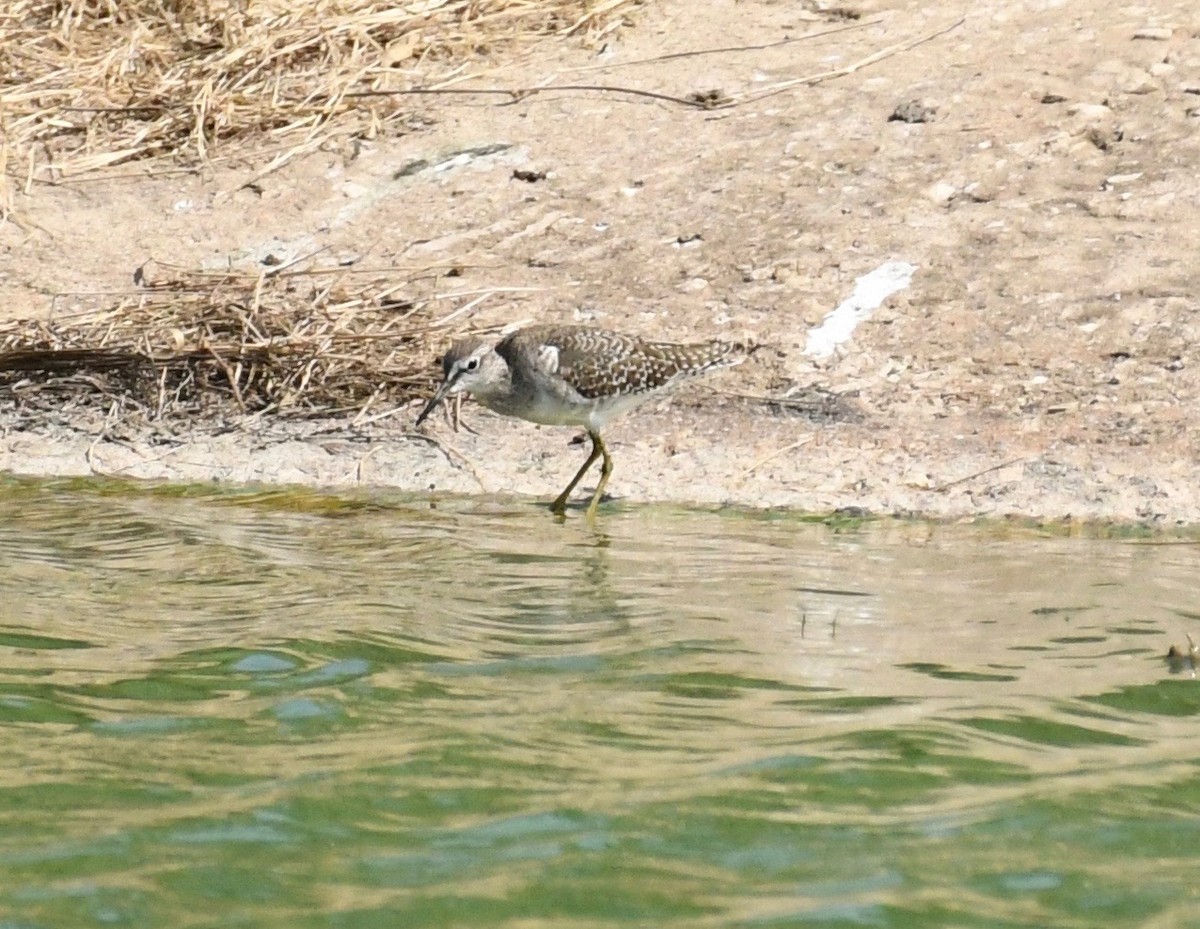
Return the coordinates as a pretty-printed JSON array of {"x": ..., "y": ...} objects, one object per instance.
[{"x": 870, "y": 291}]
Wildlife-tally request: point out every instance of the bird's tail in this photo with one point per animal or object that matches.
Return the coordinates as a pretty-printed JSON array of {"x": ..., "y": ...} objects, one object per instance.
[{"x": 713, "y": 355}]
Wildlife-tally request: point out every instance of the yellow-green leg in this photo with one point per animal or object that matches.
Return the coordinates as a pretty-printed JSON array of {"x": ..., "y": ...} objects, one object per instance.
[
  {"x": 605, "y": 470},
  {"x": 559, "y": 505}
]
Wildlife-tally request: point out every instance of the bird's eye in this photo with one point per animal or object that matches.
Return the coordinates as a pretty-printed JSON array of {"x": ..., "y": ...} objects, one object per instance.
[{"x": 472, "y": 364}]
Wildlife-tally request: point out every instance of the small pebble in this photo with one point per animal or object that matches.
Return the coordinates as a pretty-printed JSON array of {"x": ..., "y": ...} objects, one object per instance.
[
  {"x": 1089, "y": 111},
  {"x": 913, "y": 111},
  {"x": 942, "y": 192},
  {"x": 1136, "y": 81}
]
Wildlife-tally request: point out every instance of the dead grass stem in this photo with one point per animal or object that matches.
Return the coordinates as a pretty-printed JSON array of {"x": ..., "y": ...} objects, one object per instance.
[
  {"x": 91, "y": 84},
  {"x": 164, "y": 85},
  {"x": 292, "y": 345}
]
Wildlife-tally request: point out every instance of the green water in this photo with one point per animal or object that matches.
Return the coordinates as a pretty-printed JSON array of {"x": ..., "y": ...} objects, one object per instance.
[{"x": 277, "y": 710}]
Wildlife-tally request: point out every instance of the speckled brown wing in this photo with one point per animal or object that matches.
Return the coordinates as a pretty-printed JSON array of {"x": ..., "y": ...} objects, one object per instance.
[{"x": 598, "y": 363}]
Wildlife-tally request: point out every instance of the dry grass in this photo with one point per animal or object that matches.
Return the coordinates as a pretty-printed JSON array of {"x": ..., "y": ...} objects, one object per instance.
[
  {"x": 86, "y": 84},
  {"x": 296, "y": 345}
]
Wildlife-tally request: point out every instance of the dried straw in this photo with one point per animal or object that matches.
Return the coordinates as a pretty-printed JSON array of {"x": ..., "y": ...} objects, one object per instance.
[
  {"x": 87, "y": 84},
  {"x": 205, "y": 344}
]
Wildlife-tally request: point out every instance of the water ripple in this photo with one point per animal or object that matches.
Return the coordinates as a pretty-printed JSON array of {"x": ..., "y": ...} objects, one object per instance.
[{"x": 482, "y": 716}]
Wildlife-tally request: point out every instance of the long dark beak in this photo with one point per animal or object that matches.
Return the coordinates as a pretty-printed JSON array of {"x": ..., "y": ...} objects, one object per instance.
[{"x": 434, "y": 402}]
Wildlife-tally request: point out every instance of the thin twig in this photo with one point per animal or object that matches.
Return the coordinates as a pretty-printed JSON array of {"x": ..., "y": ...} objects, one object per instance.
[
  {"x": 695, "y": 101},
  {"x": 465, "y": 308},
  {"x": 775, "y": 454},
  {"x": 727, "y": 49},
  {"x": 358, "y": 419},
  {"x": 517, "y": 94},
  {"x": 299, "y": 259},
  {"x": 386, "y": 414},
  {"x": 229, "y": 376},
  {"x": 89, "y": 455},
  {"x": 448, "y": 450},
  {"x": 144, "y": 460},
  {"x": 849, "y": 69},
  {"x": 970, "y": 477}
]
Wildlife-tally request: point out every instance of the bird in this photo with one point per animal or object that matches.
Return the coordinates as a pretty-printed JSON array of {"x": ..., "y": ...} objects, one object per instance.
[{"x": 560, "y": 375}]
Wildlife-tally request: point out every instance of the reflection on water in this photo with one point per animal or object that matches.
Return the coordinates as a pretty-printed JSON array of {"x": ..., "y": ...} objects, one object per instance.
[{"x": 285, "y": 709}]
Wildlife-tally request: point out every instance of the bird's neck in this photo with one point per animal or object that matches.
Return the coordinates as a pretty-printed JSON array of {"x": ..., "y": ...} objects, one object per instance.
[{"x": 497, "y": 393}]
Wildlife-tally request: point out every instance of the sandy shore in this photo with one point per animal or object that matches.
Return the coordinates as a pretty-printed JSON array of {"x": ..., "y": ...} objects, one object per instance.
[{"x": 1041, "y": 363}]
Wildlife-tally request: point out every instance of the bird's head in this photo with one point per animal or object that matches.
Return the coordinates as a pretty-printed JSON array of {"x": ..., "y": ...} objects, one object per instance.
[{"x": 470, "y": 366}]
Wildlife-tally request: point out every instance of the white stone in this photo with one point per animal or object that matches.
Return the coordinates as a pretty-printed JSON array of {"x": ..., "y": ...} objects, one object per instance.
[{"x": 942, "y": 192}]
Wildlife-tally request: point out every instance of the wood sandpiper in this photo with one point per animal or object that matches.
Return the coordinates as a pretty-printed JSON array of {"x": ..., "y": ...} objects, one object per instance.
[{"x": 573, "y": 376}]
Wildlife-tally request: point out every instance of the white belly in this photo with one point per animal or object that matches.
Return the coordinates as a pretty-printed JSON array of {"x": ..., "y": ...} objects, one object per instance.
[{"x": 551, "y": 411}]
